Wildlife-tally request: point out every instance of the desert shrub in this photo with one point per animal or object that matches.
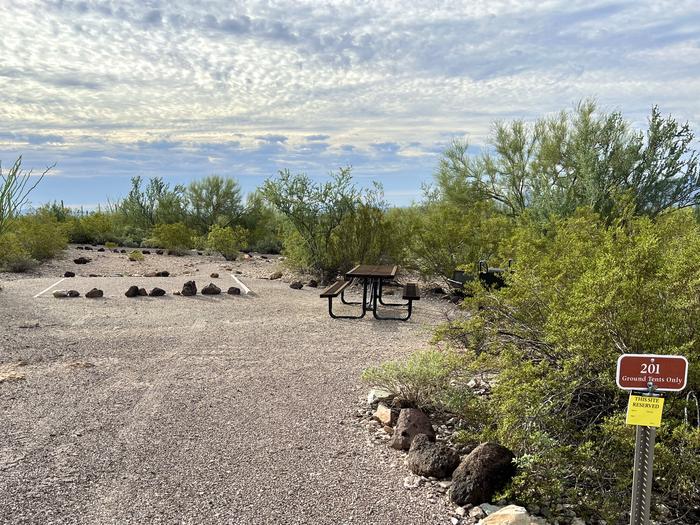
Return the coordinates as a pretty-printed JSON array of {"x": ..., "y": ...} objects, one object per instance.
[
  {"x": 329, "y": 227},
  {"x": 111, "y": 245},
  {"x": 136, "y": 256},
  {"x": 13, "y": 256},
  {"x": 583, "y": 293},
  {"x": 176, "y": 238},
  {"x": 425, "y": 379},
  {"x": 40, "y": 235},
  {"x": 227, "y": 241},
  {"x": 92, "y": 228}
]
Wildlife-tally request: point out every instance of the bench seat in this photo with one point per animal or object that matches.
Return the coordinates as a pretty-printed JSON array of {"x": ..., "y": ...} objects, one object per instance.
[
  {"x": 335, "y": 289},
  {"x": 410, "y": 292}
]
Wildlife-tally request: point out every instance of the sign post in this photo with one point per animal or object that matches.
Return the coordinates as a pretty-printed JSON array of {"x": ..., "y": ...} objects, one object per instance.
[{"x": 644, "y": 375}]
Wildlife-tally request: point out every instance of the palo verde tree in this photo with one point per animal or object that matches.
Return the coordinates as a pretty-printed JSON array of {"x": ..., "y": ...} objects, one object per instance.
[
  {"x": 580, "y": 158},
  {"x": 214, "y": 200}
]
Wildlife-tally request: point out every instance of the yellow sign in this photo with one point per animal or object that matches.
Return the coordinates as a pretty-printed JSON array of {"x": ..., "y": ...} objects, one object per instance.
[{"x": 645, "y": 411}]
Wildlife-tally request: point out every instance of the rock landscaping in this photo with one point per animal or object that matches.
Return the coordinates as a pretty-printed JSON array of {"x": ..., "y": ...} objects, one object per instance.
[
  {"x": 81, "y": 260},
  {"x": 296, "y": 285},
  {"x": 189, "y": 289},
  {"x": 133, "y": 291},
  {"x": 94, "y": 293},
  {"x": 69, "y": 274},
  {"x": 410, "y": 423},
  {"x": 211, "y": 289},
  {"x": 214, "y": 275},
  {"x": 466, "y": 475},
  {"x": 234, "y": 290},
  {"x": 156, "y": 292}
]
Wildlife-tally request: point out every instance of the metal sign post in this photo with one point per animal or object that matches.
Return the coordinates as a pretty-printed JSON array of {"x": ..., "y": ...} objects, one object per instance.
[
  {"x": 643, "y": 475},
  {"x": 637, "y": 372}
]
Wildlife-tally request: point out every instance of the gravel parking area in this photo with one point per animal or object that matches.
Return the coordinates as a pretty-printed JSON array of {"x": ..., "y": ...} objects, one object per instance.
[{"x": 219, "y": 409}]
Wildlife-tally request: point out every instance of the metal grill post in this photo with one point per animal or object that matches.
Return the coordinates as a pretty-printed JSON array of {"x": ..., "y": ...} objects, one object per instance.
[{"x": 643, "y": 474}]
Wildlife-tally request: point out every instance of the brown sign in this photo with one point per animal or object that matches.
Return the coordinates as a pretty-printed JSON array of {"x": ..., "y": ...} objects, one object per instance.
[{"x": 665, "y": 372}]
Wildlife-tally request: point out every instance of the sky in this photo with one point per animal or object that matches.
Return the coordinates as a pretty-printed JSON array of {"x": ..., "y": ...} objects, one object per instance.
[{"x": 107, "y": 90}]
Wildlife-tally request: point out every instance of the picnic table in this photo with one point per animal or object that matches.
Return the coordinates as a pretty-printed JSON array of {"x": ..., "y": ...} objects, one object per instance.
[{"x": 373, "y": 278}]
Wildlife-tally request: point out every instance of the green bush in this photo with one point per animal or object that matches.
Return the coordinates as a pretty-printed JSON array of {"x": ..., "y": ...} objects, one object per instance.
[
  {"x": 227, "y": 241},
  {"x": 329, "y": 227},
  {"x": 426, "y": 379},
  {"x": 40, "y": 235},
  {"x": 136, "y": 256},
  {"x": 13, "y": 256},
  {"x": 111, "y": 245},
  {"x": 176, "y": 238},
  {"x": 582, "y": 294}
]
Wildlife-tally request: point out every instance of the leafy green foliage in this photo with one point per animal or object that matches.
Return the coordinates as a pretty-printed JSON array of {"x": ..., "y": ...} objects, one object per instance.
[
  {"x": 176, "y": 238},
  {"x": 582, "y": 158},
  {"x": 136, "y": 256},
  {"x": 227, "y": 241},
  {"x": 157, "y": 203},
  {"x": 13, "y": 256},
  {"x": 330, "y": 226},
  {"x": 426, "y": 379},
  {"x": 213, "y": 200},
  {"x": 584, "y": 293},
  {"x": 40, "y": 235}
]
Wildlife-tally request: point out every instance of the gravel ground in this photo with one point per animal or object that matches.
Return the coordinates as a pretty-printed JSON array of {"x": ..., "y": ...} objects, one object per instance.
[{"x": 223, "y": 409}]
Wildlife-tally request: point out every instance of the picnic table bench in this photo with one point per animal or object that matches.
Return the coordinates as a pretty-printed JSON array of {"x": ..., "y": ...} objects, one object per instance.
[{"x": 373, "y": 279}]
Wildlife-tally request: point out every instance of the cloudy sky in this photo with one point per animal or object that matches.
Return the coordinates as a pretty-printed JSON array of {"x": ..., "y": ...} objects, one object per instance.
[{"x": 183, "y": 89}]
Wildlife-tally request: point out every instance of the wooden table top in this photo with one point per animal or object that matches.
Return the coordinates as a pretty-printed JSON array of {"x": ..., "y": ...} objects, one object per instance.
[{"x": 373, "y": 271}]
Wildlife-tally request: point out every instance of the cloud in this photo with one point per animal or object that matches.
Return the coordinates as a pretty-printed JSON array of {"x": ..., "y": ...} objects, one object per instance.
[{"x": 385, "y": 86}]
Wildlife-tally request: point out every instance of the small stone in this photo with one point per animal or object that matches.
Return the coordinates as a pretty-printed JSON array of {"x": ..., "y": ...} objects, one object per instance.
[
  {"x": 427, "y": 458},
  {"x": 60, "y": 293},
  {"x": 100, "y": 249},
  {"x": 296, "y": 285},
  {"x": 477, "y": 513},
  {"x": 461, "y": 511},
  {"x": 389, "y": 430},
  {"x": 189, "y": 288},
  {"x": 145, "y": 252},
  {"x": 385, "y": 415},
  {"x": 276, "y": 275},
  {"x": 454, "y": 520},
  {"x": 312, "y": 283},
  {"x": 234, "y": 291},
  {"x": 143, "y": 292},
  {"x": 73, "y": 293},
  {"x": 156, "y": 292},
  {"x": 378, "y": 394},
  {"x": 159, "y": 252},
  {"x": 69, "y": 274},
  {"x": 214, "y": 275},
  {"x": 412, "y": 482},
  {"x": 489, "y": 509},
  {"x": 81, "y": 260},
  {"x": 177, "y": 292},
  {"x": 133, "y": 291},
  {"x": 211, "y": 289},
  {"x": 94, "y": 293}
]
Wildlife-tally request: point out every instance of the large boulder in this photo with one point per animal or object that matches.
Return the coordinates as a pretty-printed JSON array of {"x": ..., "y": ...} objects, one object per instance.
[
  {"x": 189, "y": 288},
  {"x": 512, "y": 515},
  {"x": 211, "y": 289},
  {"x": 411, "y": 423},
  {"x": 485, "y": 471},
  {"x": 426, "y": 458}
]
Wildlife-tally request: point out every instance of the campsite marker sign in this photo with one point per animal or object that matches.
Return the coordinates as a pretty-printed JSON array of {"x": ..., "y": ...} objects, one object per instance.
[{"x": 644, "y": 375}]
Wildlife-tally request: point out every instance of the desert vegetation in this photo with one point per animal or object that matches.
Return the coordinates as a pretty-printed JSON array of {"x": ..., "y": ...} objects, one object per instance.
[{"x": 601, "y": 222}]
